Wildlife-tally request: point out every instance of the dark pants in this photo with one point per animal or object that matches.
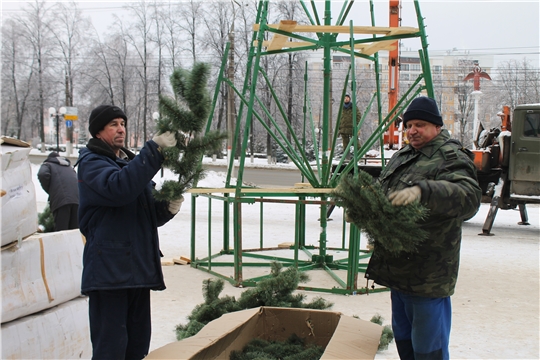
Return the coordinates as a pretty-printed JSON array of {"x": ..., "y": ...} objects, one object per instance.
[
  {"x": 346, "y": 138},
  {"x": 421, "y": 326},
  {"x": 66, "y": 217},
  {"x": 120, "y": 324}
]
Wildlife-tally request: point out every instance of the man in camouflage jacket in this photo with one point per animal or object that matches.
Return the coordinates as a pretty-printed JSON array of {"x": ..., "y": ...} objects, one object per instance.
[
  {"x": 346, "y": 123},
  {"x": 438, "y": 172}
]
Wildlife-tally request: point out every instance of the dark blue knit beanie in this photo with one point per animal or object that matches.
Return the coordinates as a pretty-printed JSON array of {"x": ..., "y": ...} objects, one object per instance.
[
  {"x": 102, "y": 115},
  {"x": 423, "y": 108}
]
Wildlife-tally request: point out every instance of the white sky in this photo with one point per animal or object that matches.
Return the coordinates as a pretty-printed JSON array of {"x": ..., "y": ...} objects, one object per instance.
[{"x": 504, "y": 29}]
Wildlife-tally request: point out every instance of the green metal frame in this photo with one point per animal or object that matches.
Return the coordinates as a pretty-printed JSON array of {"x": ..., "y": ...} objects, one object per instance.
[{"x": 322, "y": 179}]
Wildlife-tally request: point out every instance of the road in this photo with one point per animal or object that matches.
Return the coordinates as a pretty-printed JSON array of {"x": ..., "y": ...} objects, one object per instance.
[{"x": 263, "y": 177}]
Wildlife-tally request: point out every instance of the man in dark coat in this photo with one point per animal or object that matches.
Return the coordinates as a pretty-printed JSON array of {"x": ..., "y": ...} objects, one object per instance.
[
  {"x": 119, "y": 217},
  {"x": 59, "y": 180},
  {"x": 440, "y": 174}
]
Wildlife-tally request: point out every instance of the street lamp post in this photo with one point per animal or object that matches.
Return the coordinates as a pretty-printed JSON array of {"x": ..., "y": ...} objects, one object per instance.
[{"x": 52, "y": 112}]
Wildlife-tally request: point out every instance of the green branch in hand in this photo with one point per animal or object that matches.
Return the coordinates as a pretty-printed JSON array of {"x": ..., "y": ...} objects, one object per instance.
[{"x": 395, "y": 228}]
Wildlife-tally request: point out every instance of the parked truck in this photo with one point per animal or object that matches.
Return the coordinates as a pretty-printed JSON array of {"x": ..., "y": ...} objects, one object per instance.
[{"x": 508, "y": 163}]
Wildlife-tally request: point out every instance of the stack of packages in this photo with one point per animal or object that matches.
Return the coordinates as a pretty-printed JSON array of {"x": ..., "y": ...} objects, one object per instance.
[{"x": 43, "y": 315}]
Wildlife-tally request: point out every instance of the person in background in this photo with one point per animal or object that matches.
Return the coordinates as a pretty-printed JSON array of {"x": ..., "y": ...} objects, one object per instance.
[
  {"x": 58, "y": 178},
  {"x": 346, "y": 124},
  {"x": 119, "y": 217},
  {"x": 440, "y": 174}
]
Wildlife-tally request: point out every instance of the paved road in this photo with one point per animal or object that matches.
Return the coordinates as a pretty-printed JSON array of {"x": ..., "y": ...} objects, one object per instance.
[{"x": 264, "y": 177}]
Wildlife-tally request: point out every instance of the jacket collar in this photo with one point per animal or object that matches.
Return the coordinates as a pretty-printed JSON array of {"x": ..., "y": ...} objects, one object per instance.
[{"x": 100, "y": 147}]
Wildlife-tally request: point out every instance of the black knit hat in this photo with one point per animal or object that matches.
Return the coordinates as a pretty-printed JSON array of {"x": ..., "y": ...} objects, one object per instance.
[
  {"x": 423, "y": 108},
  {"x": 102, "y": 115}
]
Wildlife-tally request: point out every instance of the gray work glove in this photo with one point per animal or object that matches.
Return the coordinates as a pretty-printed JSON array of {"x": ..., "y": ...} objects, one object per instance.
[
  {"x": 175, "y": 205},
  {"x": 167, "y": 139},
  {"x": 405, "y": 196}
]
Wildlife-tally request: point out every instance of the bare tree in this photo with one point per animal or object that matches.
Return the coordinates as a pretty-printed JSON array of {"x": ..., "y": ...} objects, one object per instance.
[
  {"x": 190, "y": 13},
  {"x": 69, "y": 29},
  {"x": 17, "y": 76},
  {"x": 218, "y": 27},
  {"x": 37, "y": 34},
  {"x": 520, "y": 82},
  {"x": 139, "y": 37},
  {"x": 158, "y": 37},
  {"x": 172, "y": 30}
]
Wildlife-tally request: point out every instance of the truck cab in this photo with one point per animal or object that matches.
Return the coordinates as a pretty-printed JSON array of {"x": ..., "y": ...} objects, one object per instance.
[
  {"x": 514, "y": 180},
  {"x": 524, "y": 161}
]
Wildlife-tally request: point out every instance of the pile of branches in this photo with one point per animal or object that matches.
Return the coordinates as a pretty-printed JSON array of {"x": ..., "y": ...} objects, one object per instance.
[
  {"x": 292, "y": 349},
  {"x": 275, "y": 291}
]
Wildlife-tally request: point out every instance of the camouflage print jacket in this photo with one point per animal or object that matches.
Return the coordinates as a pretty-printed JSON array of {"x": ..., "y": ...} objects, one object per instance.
[
  {"x": 447, "y": 177},
  {"x": 346, "y": 124}
]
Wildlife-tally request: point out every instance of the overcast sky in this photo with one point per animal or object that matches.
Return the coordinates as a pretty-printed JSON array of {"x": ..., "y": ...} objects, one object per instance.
[{"x": 504, "y": 29}]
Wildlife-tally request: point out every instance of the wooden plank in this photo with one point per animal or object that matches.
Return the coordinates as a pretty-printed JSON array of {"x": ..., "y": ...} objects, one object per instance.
[
  {"x": 179, "y": 261},
  {"x": 289, "y": 44},
  {"x": 342, "y": 29},
  {"x": 261, "y": 190},
  {"x": 185, "y": 258},
  {"x": 372, "y": 48},
  {"x": 285, "y": 245},
  {"x": 378, "y": 46},
  {"x": 167, "y": 262},
  {"x": 279, "y": 40}
]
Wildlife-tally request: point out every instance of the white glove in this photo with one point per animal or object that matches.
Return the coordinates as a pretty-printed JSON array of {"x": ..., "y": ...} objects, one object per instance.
[
  {"x": 405, "y": 196},
  {"x": 175, "y": 205},
  {"x": 167, "y": 139}
]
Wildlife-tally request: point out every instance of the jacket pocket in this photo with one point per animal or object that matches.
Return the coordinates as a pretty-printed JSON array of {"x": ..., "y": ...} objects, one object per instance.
[{"x": 112, "y": 266}]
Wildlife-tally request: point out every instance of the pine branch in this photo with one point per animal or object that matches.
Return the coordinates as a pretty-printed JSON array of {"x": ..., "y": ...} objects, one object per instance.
[
  {"x": 394, "y": 228},
  {"x": 277, "y": 290},
  {"x": 190, "y": 90}
]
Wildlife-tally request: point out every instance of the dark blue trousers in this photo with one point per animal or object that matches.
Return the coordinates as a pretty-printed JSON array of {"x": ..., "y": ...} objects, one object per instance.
[
  {"x": 120, "y": 323},
  {"x": 421, "y": 326}
]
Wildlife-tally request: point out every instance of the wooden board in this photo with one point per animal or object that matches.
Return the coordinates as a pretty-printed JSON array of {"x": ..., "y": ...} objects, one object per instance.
[{"x": 342, "y": 29}]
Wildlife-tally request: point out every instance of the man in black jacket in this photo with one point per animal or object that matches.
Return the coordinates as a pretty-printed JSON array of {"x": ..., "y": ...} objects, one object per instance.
[{"x": 59, "y": 180}]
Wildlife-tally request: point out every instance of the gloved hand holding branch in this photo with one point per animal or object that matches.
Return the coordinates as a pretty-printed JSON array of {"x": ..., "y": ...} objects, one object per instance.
[{"x": 392, "y": 227}]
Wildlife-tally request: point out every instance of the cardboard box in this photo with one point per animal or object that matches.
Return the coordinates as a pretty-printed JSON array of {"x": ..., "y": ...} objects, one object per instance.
[
  {"x": 19, "y": 209},
  {"x": 343, "y": 337},
  {"x": 62, "y": 332}
]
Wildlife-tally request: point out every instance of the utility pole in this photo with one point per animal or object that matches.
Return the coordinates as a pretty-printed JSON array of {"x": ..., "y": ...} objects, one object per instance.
[{"x": 230, "y": 100}]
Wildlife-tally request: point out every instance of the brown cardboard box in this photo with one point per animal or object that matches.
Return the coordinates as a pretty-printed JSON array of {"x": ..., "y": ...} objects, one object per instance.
[{"x": 343, "y": 337}]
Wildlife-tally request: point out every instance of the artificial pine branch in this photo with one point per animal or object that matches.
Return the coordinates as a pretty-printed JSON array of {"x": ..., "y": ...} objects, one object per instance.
[
  {"x": 46, "y": 220},
  {"x": 275, "y": 291},
  {"x": 294, "y": 348},
  {"x": 394, "y": 228},
  {"x": 186, "y": 115},
  {"x": 387, "y": 335}
]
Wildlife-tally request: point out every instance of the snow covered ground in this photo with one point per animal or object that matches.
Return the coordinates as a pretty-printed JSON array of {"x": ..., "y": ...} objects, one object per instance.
[{"x": 496, "y": 304}]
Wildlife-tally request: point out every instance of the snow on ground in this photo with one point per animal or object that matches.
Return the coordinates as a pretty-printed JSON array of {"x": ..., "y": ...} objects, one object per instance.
[{"x": 495, "y": 307}]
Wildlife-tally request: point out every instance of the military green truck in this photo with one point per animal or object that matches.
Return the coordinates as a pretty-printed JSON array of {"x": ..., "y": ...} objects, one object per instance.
[{"x": 508, "y": 162}]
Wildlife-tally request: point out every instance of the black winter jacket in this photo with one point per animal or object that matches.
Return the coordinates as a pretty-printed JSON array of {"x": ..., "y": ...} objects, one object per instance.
[
  {"x": 59, "y": 180},
  {"x": 119, "y": 217}
]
